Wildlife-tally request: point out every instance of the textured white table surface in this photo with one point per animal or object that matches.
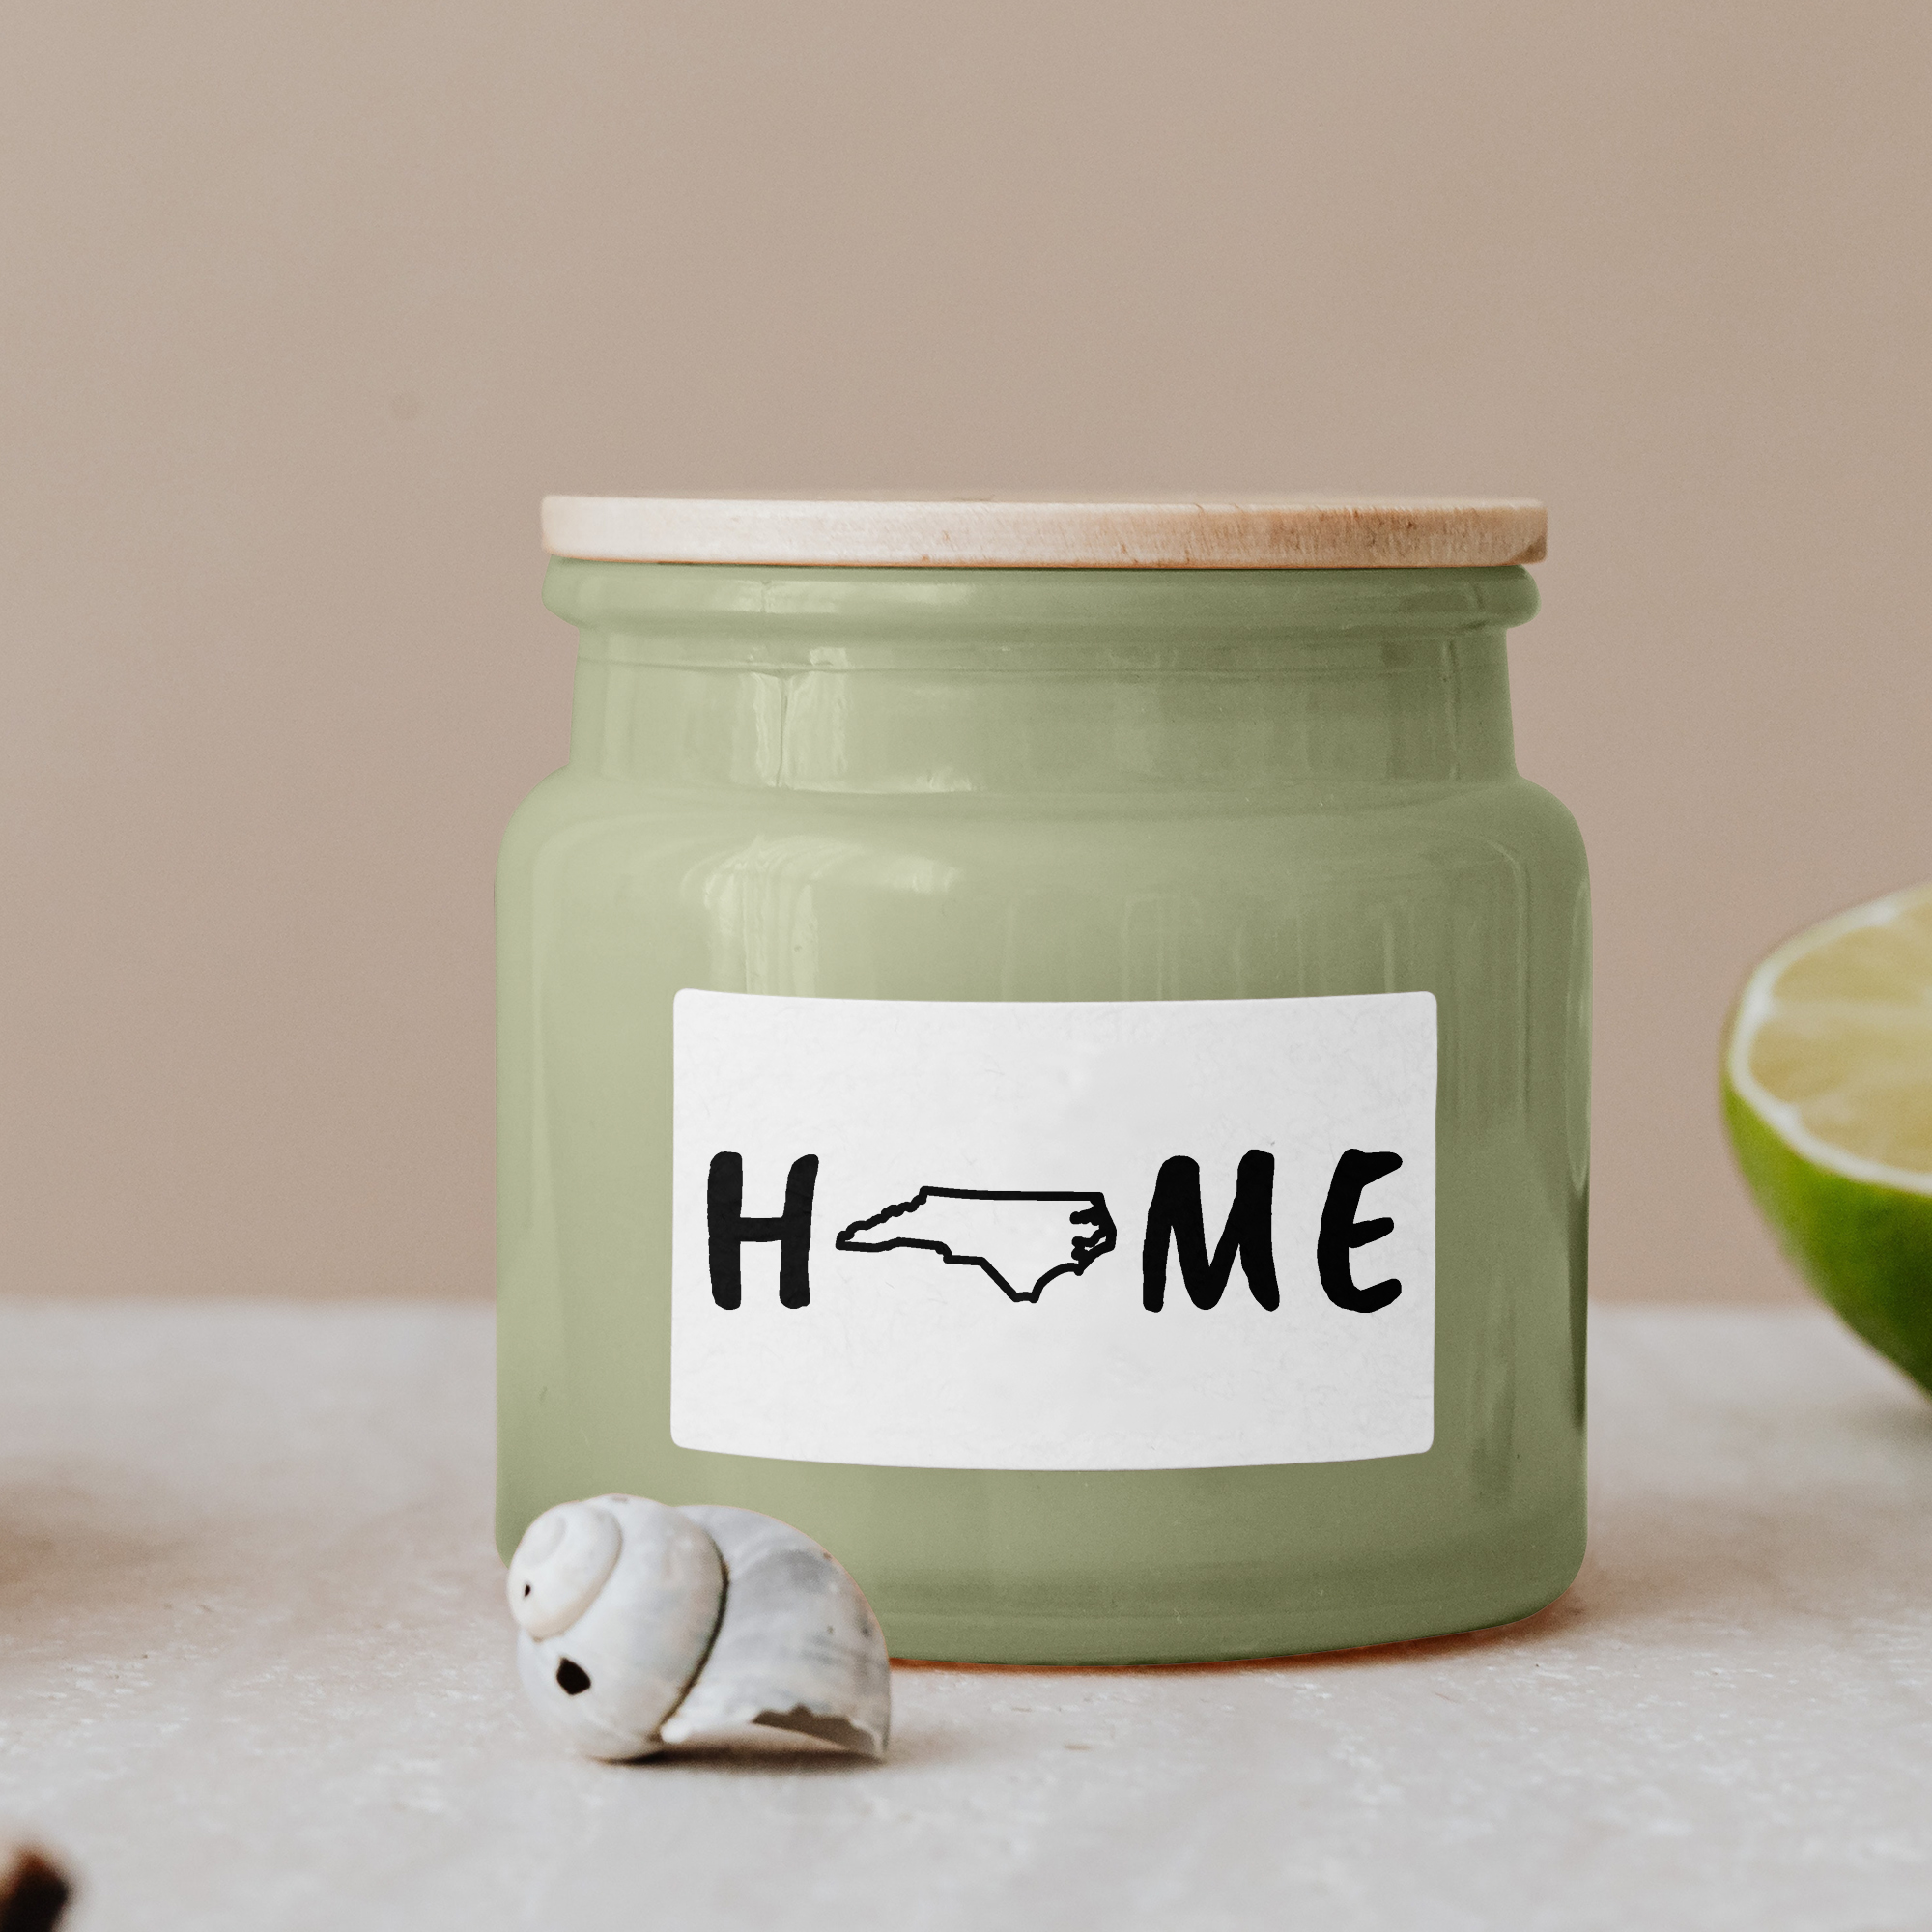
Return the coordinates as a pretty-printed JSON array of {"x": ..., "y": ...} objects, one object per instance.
[{"x": 255, "y": 1671}]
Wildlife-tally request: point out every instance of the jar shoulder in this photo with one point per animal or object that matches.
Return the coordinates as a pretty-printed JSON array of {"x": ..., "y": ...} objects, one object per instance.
[
  {"x": 1541, "y": 823},
  {"x": 550, "y": 808},
  {"x": 605, "y": 822}
]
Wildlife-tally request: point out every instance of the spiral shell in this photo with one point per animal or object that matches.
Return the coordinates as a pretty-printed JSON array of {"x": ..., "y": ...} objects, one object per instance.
[
  {"x": 560, "y": 1565},
  {"x": 606, "y": 1661},
  {"x": 644, "y": 1626}
]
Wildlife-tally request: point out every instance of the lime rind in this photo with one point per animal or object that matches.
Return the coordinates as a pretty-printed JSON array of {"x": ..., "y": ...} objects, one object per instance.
[{"x": 1867, "y": 1248}]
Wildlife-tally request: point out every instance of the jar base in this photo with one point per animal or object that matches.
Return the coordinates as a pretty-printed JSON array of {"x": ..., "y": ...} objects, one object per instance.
[{"x": 915, "y": 1636}]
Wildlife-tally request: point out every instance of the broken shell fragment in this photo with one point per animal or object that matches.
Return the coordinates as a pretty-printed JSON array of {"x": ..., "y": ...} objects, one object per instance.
[
  {"x": 644, "y": 1626},
  {"x": 798, "y": 1648},
  {"x": 609, "y": 1676}
]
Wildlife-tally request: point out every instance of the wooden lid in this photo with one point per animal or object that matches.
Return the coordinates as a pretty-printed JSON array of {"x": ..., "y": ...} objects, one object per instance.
[{"x": 1284, "y": 533}]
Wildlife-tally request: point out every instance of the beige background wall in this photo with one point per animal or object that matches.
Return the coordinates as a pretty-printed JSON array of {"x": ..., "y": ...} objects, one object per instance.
[{"x": 303, "y": 305}]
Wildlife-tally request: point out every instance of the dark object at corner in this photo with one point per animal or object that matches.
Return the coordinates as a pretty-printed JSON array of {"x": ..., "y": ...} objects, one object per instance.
[{"x": 34, "y": 1892}]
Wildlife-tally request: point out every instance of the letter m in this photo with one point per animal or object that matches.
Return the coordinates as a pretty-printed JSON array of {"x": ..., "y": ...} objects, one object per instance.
[{"x": 1175, "y": 1216}]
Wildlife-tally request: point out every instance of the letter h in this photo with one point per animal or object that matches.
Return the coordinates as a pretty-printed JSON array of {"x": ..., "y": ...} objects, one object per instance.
[{"x": 731, "y": 1227}]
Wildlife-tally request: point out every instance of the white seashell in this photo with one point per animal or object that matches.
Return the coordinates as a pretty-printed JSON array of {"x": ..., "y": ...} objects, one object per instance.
[
  {"x": 798, "y": 1648},
  {"x": 560, "y": 1565},
  {"x": 609, "y": 1676}
]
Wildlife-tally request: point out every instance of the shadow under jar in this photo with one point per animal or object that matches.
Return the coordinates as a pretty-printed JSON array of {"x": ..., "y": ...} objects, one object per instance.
[{"x": 1067, "y": 1083}]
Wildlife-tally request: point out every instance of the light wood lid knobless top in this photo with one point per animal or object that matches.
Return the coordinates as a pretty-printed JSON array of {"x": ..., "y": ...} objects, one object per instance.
[{"x": 1282, "y": 534}]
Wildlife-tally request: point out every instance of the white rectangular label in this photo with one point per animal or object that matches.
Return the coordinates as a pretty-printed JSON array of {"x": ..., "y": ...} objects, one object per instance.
[{"x": 1143, "y": 1235}]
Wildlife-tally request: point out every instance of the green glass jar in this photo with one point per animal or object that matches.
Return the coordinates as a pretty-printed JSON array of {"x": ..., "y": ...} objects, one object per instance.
[{"x": 1048, "y": 1046}]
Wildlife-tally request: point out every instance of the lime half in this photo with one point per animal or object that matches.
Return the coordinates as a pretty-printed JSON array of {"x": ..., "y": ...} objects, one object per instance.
[{"x": 1827, "y": 1094}]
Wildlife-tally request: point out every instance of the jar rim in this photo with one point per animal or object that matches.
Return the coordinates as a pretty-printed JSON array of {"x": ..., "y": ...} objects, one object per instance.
[
  {"x": 772, "y": 615},
  {"x": 1311, "y": 532}
]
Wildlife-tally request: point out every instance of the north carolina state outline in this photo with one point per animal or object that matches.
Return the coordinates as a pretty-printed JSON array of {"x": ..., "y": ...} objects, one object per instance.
[{"x": 1021, "y": 1239}]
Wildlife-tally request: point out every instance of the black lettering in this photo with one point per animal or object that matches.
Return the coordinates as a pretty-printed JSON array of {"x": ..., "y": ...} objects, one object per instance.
[
  {"x": 731, "y": 1227},
  {"x": 1175, "y": 1214},
  {"x": 1341, "y": 1232}
]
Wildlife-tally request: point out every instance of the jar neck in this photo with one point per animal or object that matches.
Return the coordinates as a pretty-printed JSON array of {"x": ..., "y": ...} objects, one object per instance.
[{"x": 1099, "y": 682}]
